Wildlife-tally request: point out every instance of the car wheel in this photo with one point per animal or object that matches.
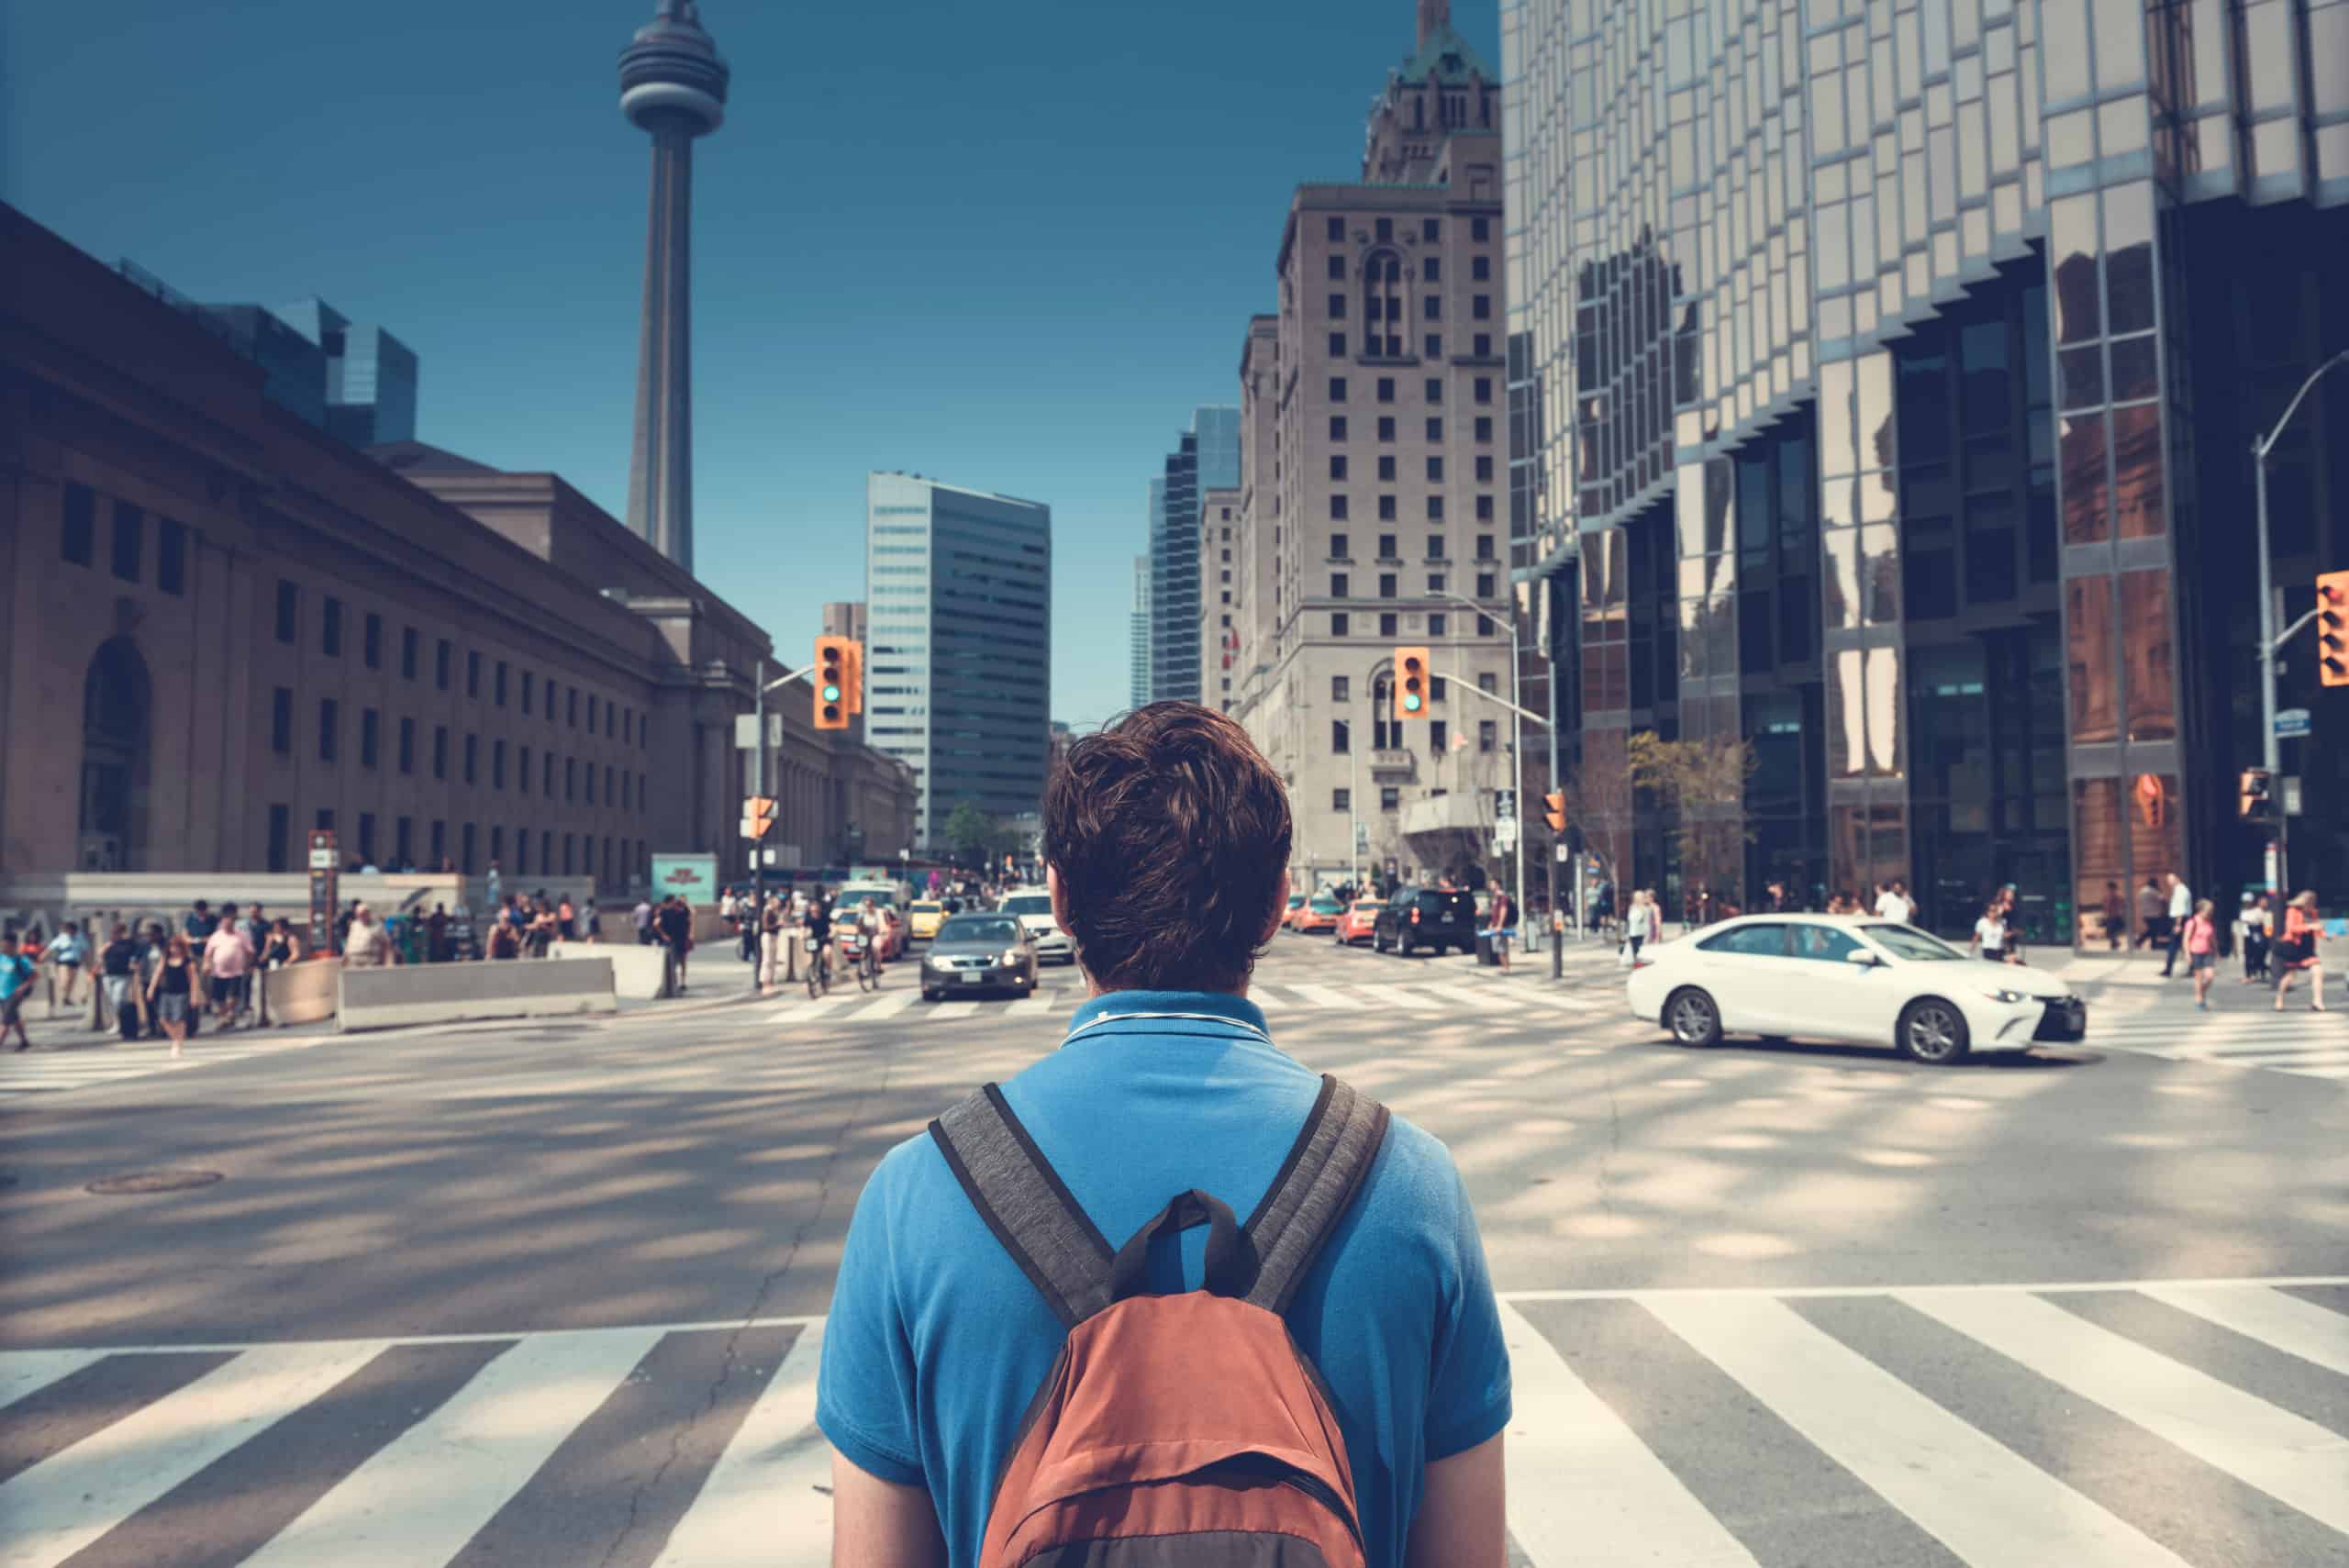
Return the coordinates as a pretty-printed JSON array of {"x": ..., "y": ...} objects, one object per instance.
[
  {"x": 928, "y": 994},
  {"x": 1378, "y": 942},
  {"x": 1934, "y": 1032},
  {"x": 1692, "y": 1017}
]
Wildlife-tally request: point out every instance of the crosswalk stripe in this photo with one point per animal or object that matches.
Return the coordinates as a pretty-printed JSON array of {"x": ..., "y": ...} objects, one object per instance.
[
  {"x": 886, "y": 1008},
  {"x": 466, "y": 1457},
  {"x": 1409, "y": 1000},
  {"x": 1325, "y": 997},
  {"x": 25, "y": 1371},
  {"x": 62, "y": 1504},
  {"x": 1982, "y": 1500},
  {"x": 2291, "y": 1325},
  {"x": 950, "y": 1010},
  {"x": 2282, "y": 1454},
  {"x": 1582, "y": 1486},
  {"x": 1032, "y": 1007},
  {"x": 1542, "y": 997},
  {"x": 767, "y": 1500}
]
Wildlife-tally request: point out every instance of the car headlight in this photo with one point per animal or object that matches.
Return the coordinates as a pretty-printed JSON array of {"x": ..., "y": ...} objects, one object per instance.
[
  {"x": 933, "y": 962},
  {"x": 2007, "y": 995},
  {"x": 1012, "y": 955}
]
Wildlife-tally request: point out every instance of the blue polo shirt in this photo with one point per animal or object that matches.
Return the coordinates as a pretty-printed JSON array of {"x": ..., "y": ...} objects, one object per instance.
[{"x": 937, "y": 1342}]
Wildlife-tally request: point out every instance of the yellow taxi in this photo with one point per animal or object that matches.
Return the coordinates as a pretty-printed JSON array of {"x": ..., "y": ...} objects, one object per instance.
[{"x": 927, "y": 915}]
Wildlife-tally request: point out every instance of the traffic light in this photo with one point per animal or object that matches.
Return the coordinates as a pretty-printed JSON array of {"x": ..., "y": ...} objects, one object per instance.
[
  {"x": 1410, "y": 683},
  {"x": 835, "y": 676},
  {"x": 2332, "y": 628},
  {"x": 855, "y": 677},
  {"x": 1556, "y": 813},
  {"x": 758, "y": 818},
  {"x": 2253, "y": 801}
]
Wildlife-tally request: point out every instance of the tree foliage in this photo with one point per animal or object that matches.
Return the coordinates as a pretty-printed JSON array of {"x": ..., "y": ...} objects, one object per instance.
[
  {"x": 978, "y": 837},
  {"x": 1702, "y": 782}
]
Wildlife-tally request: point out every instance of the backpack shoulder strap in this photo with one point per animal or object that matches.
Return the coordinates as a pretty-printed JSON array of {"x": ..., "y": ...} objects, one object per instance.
[
  {"x": 1025, "y": 1204},
  {"x": 1316, "y": 1185}
]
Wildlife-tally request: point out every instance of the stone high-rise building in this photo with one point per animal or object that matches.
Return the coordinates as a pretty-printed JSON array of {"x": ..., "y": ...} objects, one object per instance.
[{"x": 1372, "y": 485}]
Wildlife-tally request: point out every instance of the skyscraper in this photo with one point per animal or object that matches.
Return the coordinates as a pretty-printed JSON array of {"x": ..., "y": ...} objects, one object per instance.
[
  {"x": 673, "y": 85},
  {"x": 1206, "y": 456},
  {"x": 1137, "y": 684},
  {"x": 371, "y": 375},
  {"x": 958, "y": 670}
]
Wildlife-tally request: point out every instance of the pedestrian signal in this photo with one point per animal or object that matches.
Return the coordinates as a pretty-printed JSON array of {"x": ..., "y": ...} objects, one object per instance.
[
  {"x": 835, "y": 672},
  {"x": 758, "y": 816},
  {"x": 2254, "y": 800},
  {"x": 1556, "y": 813},
  {"x": 1411, "y": 677},
  {"x": 2332, "y": 628}
]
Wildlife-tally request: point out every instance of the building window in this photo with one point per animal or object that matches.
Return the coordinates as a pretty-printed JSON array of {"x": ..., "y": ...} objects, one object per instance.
[
  {"x": 546, "y": 775},
  {"x": 1484, "y": 470},
  {"x": 288, "y": 610},
  {"x": 441, "y": 664},
  {"x": 1337, "y": 230},
  {"x": 591, "y": 697},
  {"x": 370, "y": 642},
  {"x": 626, "y": 780},
  {"x": 1484, "y": 547},
  {"x": 522, "y": 769},
  {"x": 608, "y": 783},
  {"x": 473, "y": 674},
  {"x": 473, "y": 757},
  {"x": 1386, "y": 229},
  {"x": 409, "y": 641},
  {"x": 496, "y": 844},
  {"x": 78, "y": 537},
  {"x": 130, "y": 529},
  {"x": 1337, "y": 389},
  {"x": 1435, "y": 581},
  {"x": 1339, "y": 544},
  {"x": 529, "y": 684},
  {"x": 1436, "y": 623},
  {"x": 1386, "y": 550},
  {"x": 1484, "y": 426},
  {"x": 439, "y": 752},
  {"x": 1338, "y": 506},
  {"x": 1435, "y": 389},
  {"x": 1435, "y": 429},
  {"x": 1434, "y": 310},
  {"x": 1337, "y": 628},
  {"x": 1435, "y": 547},
  {"x": 281, "y": 829},
  {"x": 590, "y": 783},
  {"x": 403, "y": 842},
  {"x": 330, "y": 629},
  {"x": 327, "y": 727},
  {"x": 497, "y": 764},
  {"x": 571, "y": 778},
  {"x": 1480, "y": 268},
  {"x": 1485, "y": 585},
  {"x": 171, "y": 555},
  {"x": 609, "y": 705},
  {"x": 1341, "y": 742},
  {"x": 1481, "y": 306},
  {"x": 408, "y": 745},
  {"x": 1336, "y": 308},
  {"x": 1386, "y": 584},
  {"x": 1387, "y": 389},
  {"x": 1480, "y": 228},
  {"x": 1432, "y": 268},
  {"x": 1336, "y": 345},
  {"x": 1433, "y": 346},
  {"x": 440, "y": 842},
  {"x": 1336, "y": 465},
  {"x": 1489, "y": 683},
  {"x": 281, "y": 721},
  {"x": 1484, "y": 346},
  {"x": 370, "y": 724},
  {"x": 1337, "y": 427},
  {"x": 1438, "y": 736},
  {"x": 1387, "y": 624},
  {"x": 1386, "y": 469},
  {"x": 1389, "y": 797},
  {"x": 1435, "y": 470},
  {"x": 1435, "y": 508},
  {"x": 1430, "y": 230},
  {"x": 366, "y": 838},
  {"x": 1338, "y": 585},
  {"x": 1484, "y": 389},
  {"x": 498, "y": 694},
  {"x": 1483, "y": 509},
  {"x": 1386, "y": 427},
  {"x": 1337, "y": 269},
  {"x": 1487, "y": 735},
  {"x": 472, "y": 838},
  {"x": 1341, "y": 688}
]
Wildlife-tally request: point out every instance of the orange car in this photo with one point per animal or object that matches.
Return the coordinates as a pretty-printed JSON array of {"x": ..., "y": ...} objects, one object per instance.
[
  {"x": 1356, "y": 924},
  {"x": 1318, "y": 913}
]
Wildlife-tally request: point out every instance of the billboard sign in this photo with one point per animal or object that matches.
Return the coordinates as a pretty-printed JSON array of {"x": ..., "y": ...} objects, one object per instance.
[{"x": 692, "y": 877}]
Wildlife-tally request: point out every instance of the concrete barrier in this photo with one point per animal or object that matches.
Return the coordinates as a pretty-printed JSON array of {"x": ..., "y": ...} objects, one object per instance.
[
  {"x": 446, "y": 993},
  {"x": 302, "y": 992},
  {"x": 636, "y": 970}
]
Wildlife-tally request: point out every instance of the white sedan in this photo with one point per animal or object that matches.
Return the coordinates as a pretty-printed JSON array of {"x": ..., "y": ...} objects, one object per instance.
[{"x": 1839, "y": 977}]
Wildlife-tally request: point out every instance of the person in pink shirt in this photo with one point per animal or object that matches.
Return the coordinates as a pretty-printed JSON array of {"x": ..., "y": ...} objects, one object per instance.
[
  {"x": 2202, "y": 951},
  {"x": 228, "y": 963}
]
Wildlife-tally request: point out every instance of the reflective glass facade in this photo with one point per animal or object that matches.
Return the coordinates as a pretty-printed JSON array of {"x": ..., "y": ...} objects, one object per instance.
[
  {"x": 957, "y": 668},
  {"x": 1207, "y": 457},
  {"x": 1874, "y": 363}
]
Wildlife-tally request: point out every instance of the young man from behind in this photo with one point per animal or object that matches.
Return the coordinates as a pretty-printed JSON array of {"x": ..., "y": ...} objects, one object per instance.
[{"x": 1166, "y": 840}]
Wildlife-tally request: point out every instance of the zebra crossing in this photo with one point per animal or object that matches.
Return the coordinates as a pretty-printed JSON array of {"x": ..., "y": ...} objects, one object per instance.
[
  {"x": 2312, "y": 1045},
  {"x": 2123, "y": 1424},
  {"x": 900, "y": 1002},
  {"x": 33, "y": 1072}
]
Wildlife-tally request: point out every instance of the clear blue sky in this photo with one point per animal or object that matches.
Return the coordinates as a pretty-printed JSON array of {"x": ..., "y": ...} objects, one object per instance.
[{"x": 1008, "y": 246}]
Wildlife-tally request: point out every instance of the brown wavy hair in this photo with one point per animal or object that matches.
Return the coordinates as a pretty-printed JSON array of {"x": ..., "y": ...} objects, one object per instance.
[{"x": 1169, "y": 833}]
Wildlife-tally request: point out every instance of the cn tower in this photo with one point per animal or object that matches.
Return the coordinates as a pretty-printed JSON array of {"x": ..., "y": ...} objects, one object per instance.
[{"x": 673, "y": 85}]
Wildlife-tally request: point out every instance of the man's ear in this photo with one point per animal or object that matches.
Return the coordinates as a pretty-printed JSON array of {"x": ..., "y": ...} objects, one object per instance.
[
  {"x": 1280, "y": 907},
  {"x": 1059, "y": 900}
]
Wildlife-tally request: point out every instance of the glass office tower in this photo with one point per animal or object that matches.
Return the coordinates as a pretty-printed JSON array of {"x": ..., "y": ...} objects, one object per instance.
[
  {"x": 1207, "y": 457},
  {"x": 958, "y": 664},
  {"x": 1889, "y": 371}
]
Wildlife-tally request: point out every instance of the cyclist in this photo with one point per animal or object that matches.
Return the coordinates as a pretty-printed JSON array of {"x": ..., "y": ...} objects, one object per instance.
[
  {"x": 820, "y": 934},
  {"x": 868, "y": 927}
]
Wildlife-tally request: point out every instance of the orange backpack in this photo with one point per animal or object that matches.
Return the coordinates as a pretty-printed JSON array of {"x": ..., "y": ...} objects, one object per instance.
[{"x": 1174, "y": 1431}]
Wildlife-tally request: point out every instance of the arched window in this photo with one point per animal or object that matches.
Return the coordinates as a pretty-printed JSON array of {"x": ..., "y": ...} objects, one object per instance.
[
  {"x": 1382, "y": 304},
  {"x": 1383, "y": 736},
  {"x": 115, "y": 698}
]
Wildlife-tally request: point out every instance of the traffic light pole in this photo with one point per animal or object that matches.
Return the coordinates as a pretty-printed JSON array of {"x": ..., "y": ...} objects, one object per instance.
[
  {"x": 2271, "y": 749},
  {"x": 1557, "y": 925}
]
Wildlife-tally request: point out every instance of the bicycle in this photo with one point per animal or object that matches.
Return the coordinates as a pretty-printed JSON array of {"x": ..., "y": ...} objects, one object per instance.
[
  {"x": 819, "y": 969},
  {"x": 868, "y": 964}
]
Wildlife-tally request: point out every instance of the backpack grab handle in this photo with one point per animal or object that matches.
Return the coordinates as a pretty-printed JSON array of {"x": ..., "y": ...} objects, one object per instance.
[{"x": 1230, "y": 1267}]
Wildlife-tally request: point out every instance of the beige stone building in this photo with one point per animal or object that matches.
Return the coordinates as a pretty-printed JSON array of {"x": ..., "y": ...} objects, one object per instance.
[
  {"x": 1373, "y": 478},
  {"x": 221, "y": 627},
  {"x": 1220, "y": 568}
]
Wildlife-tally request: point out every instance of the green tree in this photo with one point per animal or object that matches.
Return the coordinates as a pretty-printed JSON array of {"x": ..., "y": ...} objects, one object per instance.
[
  {"x": 974, "y": 837},
  {"x": 1703, "y": 782}
]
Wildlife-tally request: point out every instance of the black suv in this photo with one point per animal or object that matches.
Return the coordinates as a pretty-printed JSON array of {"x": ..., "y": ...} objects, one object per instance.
[{"x": 1426, "y": 917}]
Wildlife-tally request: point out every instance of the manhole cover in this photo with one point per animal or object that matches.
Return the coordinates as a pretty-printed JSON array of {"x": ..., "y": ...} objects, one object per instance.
[{"x": 154, "y": 1181}]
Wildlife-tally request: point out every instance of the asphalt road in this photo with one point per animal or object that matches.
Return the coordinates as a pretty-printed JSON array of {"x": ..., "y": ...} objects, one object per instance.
[{"x": 1798, "y": 1305}]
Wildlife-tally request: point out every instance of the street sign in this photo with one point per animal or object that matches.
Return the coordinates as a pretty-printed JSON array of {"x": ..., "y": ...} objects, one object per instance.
[
  {"x": 1504, "y": 832},
  {"x": 1505, "y": 805},
  {"x": 2291, "y": 723},
  {"x": 1563, "y": 851},
  {"x": 2293, "y": 796},
  {"x": 326, "y": 872},
  {"x": 694, "y": 876},
  {"x": 746, "y": 731},
  {"x": 1361, "y": 837}
]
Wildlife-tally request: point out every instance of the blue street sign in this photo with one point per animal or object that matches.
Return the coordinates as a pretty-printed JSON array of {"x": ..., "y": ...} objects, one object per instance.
[{"x": 2291, "y": 723}]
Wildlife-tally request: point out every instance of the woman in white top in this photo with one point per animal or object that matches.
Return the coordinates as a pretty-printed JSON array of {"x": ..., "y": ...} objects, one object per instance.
[{"x": 1991, "y": 933}]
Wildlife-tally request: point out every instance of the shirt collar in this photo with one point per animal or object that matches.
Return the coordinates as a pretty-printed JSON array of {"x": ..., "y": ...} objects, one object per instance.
[{"x": 1124, "y": 1011}]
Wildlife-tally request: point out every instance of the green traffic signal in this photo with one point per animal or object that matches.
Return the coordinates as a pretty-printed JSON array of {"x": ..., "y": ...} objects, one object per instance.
[
  {"x": 831, "y": 694},
  {"x": 1411, "y": 702}
]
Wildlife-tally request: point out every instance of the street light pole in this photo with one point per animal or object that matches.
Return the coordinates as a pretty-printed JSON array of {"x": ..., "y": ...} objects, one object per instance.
[{"x": 2271, "y": 750}]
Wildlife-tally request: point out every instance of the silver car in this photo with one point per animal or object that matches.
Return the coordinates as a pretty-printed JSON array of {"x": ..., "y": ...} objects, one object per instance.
[
  {"x": 1032, "y": 907},
  {"x": 979, "y": 953}
]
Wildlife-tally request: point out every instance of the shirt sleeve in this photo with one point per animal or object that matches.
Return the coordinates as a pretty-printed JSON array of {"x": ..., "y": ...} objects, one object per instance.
[
  {"x": 1468, "y": 1397},
  {"x": 865, "y": 1392}
]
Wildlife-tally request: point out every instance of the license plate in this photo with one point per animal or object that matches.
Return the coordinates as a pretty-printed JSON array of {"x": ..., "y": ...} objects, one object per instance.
[{"x": 970, "y": 979}]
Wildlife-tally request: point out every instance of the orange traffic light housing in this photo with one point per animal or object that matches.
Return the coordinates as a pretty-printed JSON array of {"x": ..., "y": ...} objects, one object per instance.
[
  {"x": 835, "y": 670},
  {"x": 855, "y": 677},
  {"x": 2332, "y": 628},
  {"x": 1556, "y": 813},
  {"x": 1411, "y": 677}
]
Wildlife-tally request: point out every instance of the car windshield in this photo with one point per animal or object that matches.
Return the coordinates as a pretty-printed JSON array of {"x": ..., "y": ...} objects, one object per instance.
[
  {"x": 1028, "y": 904},
  {"x": 853, "y": 897},
  {"x": 1327, "y": 906},
  {"x": 1369, "y": 904},
  {"x": 979, "y": 928},
  {"x": 1906, "y": 941},
  {"x": 922, "y": 906}
]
